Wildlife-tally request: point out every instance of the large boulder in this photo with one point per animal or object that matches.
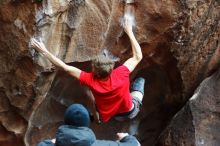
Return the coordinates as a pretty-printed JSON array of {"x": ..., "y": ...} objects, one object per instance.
[{"x": 198, "y": 122}]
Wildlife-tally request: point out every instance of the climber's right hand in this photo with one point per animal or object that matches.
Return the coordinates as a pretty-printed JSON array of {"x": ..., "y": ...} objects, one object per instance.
[
  {"x": 39, "y": 46},
  {"x": 127, "y": 25}
]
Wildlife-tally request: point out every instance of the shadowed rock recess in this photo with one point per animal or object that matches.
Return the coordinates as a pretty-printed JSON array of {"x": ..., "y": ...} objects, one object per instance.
[
  {"x": 198, "y": 122},
  {"x": 180, "y": 45}
]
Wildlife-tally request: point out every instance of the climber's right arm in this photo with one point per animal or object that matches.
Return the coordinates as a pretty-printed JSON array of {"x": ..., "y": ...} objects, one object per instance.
[
  {"x": 39, "y": 46},
  {"x": 132, "y": 62}
]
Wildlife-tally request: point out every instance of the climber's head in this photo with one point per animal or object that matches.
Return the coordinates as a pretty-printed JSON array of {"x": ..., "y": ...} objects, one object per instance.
[
  {"x": 102, "y": 67},
  {"x": 103, "y": 64}
]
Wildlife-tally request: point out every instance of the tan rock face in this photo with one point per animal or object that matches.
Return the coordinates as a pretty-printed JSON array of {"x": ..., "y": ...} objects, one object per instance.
[{"x": 179, "y": 40}]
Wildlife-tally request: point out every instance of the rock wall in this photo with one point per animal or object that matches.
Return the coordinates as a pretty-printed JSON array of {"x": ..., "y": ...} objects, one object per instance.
[
  {"x": 197, "y": 45},
  {"x": 179, "y": 40},
  {"x": 17, "y": 72}
]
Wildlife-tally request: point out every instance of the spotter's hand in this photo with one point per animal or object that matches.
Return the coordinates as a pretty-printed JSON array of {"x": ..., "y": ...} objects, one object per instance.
[{"x": 121, "y": 135}]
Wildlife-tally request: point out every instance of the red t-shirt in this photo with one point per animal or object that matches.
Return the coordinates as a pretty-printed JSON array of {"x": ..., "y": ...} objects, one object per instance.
[{"x": 112, "y": 96}]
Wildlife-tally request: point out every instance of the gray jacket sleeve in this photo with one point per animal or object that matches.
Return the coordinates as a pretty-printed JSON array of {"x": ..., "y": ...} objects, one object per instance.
[{"x": 126, "y": 141}]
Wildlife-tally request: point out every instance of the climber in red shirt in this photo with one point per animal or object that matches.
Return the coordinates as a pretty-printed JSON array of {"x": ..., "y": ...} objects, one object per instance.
[{"x": 110, "y": 87}]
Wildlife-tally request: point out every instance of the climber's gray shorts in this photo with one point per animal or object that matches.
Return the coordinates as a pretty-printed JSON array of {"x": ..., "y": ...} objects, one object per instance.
[{"x": 131, "y": 114}]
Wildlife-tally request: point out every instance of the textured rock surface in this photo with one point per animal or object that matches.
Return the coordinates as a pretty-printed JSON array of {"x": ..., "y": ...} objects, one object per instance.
[
  {"x": 17, "y": 72},
  {"x": 197, "y": 45},
  {"x": 198, "y": 122},
  {"x": 179, "y": 39}
]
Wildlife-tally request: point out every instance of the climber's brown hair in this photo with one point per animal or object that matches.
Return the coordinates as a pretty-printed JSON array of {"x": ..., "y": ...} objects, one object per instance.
[{"x": 103, "y": 64}]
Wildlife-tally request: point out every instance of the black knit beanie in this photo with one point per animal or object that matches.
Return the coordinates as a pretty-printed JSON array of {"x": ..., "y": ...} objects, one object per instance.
[{"x": 77, "y": 115}]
